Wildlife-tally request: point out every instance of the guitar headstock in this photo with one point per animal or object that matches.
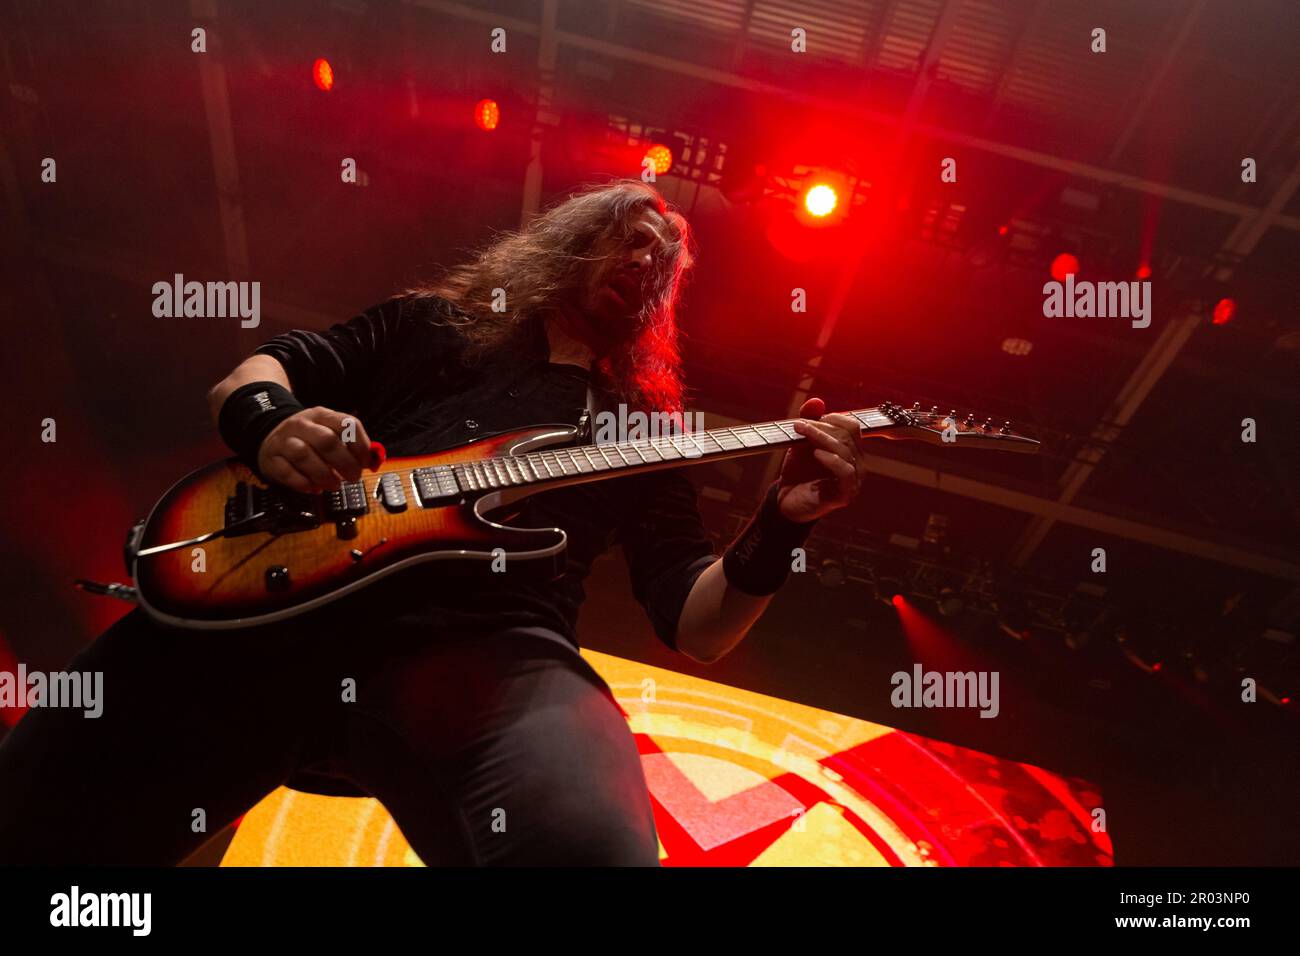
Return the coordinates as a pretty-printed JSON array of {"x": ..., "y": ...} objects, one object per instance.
[{"x": 952, "y": 428}]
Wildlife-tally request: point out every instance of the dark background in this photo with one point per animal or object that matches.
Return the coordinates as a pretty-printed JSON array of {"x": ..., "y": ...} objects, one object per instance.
[{"x": 225, "y": 165}]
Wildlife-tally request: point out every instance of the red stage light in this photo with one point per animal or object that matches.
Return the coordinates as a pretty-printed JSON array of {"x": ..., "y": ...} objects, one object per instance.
[
  {"x": 661, "y": 157},
  {"x": 1157, "y": 666},
  {"x": 820, "y": 200},
  {"x": 1144, "y": 271},
  {"x": 1002, "y": 230},
  {"x": 898, "y": 600},
  {"x": 487, "y": 114},
  {"x": 322, "y": 74},
  {"x": 1064, "y": 265},
  {"x": 1225, "y": 311}
]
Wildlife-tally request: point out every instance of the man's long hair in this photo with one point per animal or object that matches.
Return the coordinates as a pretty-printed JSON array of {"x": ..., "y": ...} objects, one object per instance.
[{"x": 545, "y": 262}]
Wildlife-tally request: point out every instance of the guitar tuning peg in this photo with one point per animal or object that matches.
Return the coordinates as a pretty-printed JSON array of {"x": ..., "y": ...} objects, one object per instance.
[
  {"x": 970, "y": 418},
  {"x": 1006, "y": 428}
]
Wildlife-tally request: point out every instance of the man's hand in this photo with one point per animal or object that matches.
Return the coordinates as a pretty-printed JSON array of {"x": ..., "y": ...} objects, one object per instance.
[
  {"x": 315, "y": 450},
  {"x": 825, "y": 472}
]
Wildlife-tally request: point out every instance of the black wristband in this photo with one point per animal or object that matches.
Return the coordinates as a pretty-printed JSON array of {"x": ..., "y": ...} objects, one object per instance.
[
  {"x": 249, "y": 414},
  {"x": 758, "y": 561}
]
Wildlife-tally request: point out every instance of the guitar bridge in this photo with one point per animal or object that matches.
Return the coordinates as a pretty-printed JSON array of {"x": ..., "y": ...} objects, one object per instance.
[{"x": 253, "y": 508}]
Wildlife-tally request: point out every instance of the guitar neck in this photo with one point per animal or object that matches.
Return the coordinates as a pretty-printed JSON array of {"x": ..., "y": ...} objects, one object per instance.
[{"x": 611, "y": 459}]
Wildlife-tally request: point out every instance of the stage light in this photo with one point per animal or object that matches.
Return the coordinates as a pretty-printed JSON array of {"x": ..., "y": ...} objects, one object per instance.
[
  {"x": 1064, "y": 265},
  {"x": 1002, "y": 230},
  {"x": 898, "y": 600},
  {"x": 820, "y": 200},
  {"x": 322, "y": 74},
  {"x": 661, "y": 157},
  {"x": 487, "y": 114},
  {"x": 1144, "y": 271},
  {"x": 1017, "y": 346},
  {"x": 1225, "y": 311}
]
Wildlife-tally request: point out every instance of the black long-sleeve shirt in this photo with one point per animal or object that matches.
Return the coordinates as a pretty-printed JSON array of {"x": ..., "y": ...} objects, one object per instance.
[{"x": 399, "y": 367}]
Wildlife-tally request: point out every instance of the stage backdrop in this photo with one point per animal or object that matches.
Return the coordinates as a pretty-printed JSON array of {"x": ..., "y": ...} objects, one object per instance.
[{"x": 741, "y": 779}]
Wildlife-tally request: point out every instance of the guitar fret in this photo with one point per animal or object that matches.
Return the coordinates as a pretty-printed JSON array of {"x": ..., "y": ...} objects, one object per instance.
[
  {"x": 482, "y": 474},
  {"x": 478, "y": 475},
  {"x": 703, "y": 440},
  {"x": 437, "y": 483},
  {"x": 693, "y": 448},
  {"x": 873, "y": 418},
  {"x": 726, "y": 440}
]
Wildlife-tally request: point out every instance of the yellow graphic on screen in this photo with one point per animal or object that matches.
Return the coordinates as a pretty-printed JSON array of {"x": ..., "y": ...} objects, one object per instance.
[{"x": 739, "y": 778}]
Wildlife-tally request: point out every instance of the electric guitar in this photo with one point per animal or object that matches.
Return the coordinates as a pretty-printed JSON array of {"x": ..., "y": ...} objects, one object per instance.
[{"x": 222, "y": 549}]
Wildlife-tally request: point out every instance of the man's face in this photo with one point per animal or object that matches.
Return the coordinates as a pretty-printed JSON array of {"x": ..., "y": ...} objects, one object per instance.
[{"x": 616, "y": 282}]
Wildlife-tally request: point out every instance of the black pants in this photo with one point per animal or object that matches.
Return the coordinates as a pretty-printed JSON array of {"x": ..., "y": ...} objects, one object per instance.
[{"x": 486, "y": 748}]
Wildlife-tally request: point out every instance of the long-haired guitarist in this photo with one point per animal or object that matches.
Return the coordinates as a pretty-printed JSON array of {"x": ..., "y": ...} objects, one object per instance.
[{"x": 463, "y": 707}]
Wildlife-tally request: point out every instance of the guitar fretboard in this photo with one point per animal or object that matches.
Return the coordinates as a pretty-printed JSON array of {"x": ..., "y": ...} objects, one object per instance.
[{"x": 564, "y": 464}]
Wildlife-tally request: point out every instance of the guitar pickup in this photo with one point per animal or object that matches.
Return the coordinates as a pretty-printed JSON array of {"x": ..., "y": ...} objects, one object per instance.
[
  {"x": 391, "y": 492},
  {"x": 435, "y": 486},
  {"x": 348, "y": 502}
]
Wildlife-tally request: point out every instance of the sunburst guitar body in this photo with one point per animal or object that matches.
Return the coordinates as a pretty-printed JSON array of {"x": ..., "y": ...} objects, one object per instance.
[{"x": 224, "y": 549}]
